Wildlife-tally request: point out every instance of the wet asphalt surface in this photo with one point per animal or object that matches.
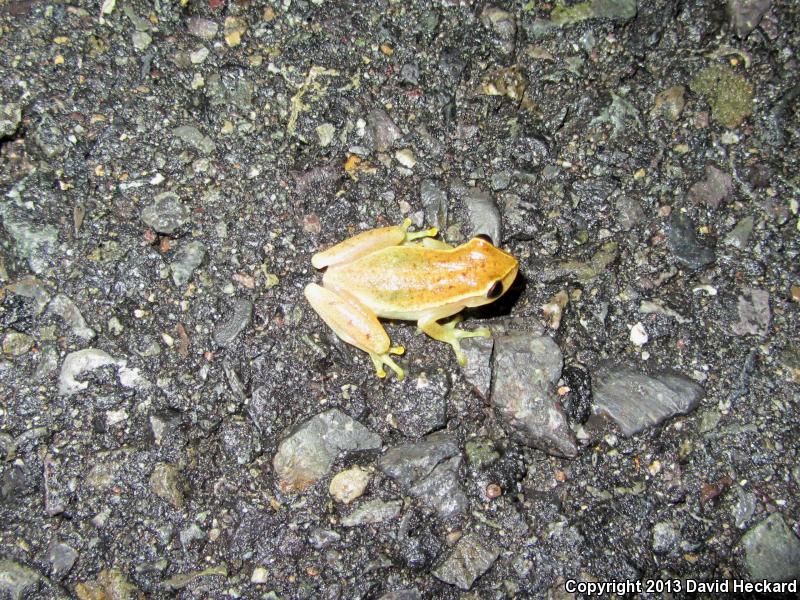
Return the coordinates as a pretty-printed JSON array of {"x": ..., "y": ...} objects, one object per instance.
[{"x": 176, "y": 421}]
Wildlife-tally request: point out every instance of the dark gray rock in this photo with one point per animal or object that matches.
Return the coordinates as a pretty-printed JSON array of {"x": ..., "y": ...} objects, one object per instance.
[
  {"x": 308, "y": 452},
  {"x": 753, "y": 311},
  {"x": 526, "y": 369},
  {"x": 434, "y": 201},
  {"x": 409, "y": 73},
  {"x": 48, "y": 136},
  {"x": 635, "y": 401},
  {"x": 238, "y": 320},
  {"x": 187, "y": 259},
  {"x": 629, "y": 212},
  {"x": 745, "y": 15},
  {"x": 373, "y": 511},
  {"x": 412, "y": 462},
  {"x": 470, "y": 559},
  {"x": 771, "y": 551},
  {"x": 166, "y": 214},
  {"x": 441, "y": 489},
  {"x": 419, "y": 404},
  {"x": 428, "y": 470},
  {"x": 478, "y": 370},
  {"x": 61, "y": 557},
  {"x": 684, "y": 245},
  {"x": 484, "y": 216},
  {"x": 381, "y": 131}
]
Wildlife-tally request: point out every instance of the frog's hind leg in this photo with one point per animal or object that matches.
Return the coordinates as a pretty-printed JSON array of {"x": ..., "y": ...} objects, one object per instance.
[
  {"x": 367, "y": 242},
  {"x": 448, "y": 333},
  {"x": 355, "y": 324}
]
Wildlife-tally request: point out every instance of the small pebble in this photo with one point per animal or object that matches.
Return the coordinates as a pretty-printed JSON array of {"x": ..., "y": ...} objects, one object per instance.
[{"x": 348, "y": 485}]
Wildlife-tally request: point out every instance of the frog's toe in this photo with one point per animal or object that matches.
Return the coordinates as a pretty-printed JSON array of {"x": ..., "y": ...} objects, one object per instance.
[
  {"x": 461, "y": 334},
  {"x": 379, "y": 360}
]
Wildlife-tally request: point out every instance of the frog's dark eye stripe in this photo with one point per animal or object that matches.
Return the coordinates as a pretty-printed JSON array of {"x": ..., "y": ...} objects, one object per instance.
[
  {"x": 495, "y": 291},
  {"x": 485, "y": 237}
]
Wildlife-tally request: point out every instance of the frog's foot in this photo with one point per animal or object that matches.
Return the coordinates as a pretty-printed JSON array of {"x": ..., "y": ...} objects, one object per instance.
[
  {"x": 450, "y": 335},
  {"x": 415, "y": 235},
  {"x": 355, "y": 324},
  {"x": 384, "y": 359}
]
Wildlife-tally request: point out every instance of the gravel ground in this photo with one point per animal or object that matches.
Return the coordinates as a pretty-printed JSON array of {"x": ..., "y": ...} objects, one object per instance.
[{"x": 175, "y": 420}]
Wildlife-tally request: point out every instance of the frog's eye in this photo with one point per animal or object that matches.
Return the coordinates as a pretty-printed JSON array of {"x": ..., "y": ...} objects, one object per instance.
[
  {"x": 495, "y": 291},
  {"x": 485, "y": 237}
]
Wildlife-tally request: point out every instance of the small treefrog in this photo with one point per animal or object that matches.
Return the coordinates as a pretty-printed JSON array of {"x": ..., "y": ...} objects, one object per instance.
[{"x": 386, "y": 273}]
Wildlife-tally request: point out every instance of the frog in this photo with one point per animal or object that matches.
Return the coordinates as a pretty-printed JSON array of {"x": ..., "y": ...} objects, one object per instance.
[{"x": 394, "y": 273}]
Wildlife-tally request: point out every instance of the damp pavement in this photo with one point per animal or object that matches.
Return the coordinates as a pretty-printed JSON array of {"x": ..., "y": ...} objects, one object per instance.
[{"x": 175, "y": 421}]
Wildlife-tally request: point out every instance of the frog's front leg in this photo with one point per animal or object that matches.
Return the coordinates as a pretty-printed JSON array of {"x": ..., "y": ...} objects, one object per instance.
[
  {"x": 448, "y": 333},
  {"x": 368, "y": 241},
  {"x": 355, "y": 324}
]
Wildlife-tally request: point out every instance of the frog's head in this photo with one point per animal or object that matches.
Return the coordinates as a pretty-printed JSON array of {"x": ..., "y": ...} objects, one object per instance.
[{"x": 497, "y": 269}]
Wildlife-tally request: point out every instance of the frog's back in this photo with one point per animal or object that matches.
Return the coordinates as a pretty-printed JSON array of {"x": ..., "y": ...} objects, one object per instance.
[{"x": 403, "y": 282}]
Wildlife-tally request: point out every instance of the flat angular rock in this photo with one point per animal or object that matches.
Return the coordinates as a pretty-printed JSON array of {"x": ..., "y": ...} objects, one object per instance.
[
  {"x": 745, "y": 15},
  {"x": 61, "y": 558},
  {"x": 193, "y": 137},
  {"x": 409, "y": 463},
  {"x": 712, "y": 191},
  {"x": 434, "y": 200},
  {"x": 235, "y": 323},
  {"x": 81, "y": 361},
  {"x": 374, "y": 511},
  {"x": 684, "y": 245},
  {"x": 441, "y": 490},
  {"x": 526, "y": 369},
  {"x": 470, "y": 559},
  {"x": 187, "y": 259},
  {"x": 635, "y": 400},
  {"x": 478, "y": 370},
  {"x": 754, "y": 314},
  {"x": 772, "y": 551},
  {"x": 65, "y": 308},
  {"x": 381, "y": 130},
  {"x": 307, "y": 453},
  {"x": 428, "y": 470},
  {"x": 484, "y": 216}
]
